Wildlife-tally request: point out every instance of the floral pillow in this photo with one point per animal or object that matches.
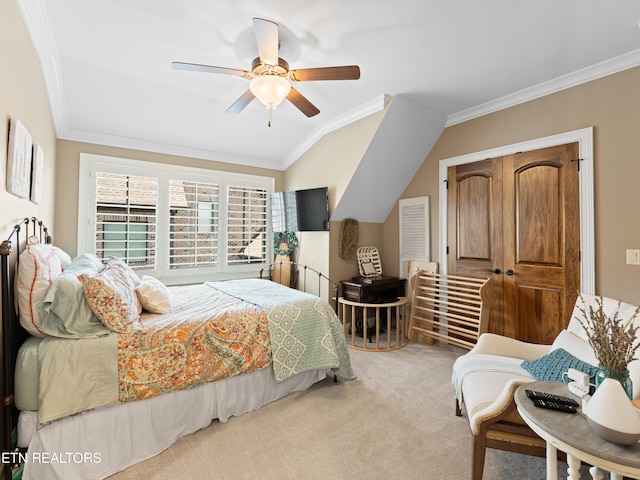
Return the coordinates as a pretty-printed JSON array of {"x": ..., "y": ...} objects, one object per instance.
[
  {"x": 125, "y": 269},
  {"x": 111, "y": 295}
]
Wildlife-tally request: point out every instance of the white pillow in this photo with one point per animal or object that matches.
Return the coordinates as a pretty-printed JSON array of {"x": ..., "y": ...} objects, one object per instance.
[
  {"x": 39, "y": 266},
  {"x": 65, "y": 259},
  {"x": 576, "y": 346},
  {"x": 154, "y": 296}
]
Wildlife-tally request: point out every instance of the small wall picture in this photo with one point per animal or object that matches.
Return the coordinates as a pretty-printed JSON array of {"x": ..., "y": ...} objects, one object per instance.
[
  {"x": 37, "y": 166},
  {"x": 19, "y": 159}
]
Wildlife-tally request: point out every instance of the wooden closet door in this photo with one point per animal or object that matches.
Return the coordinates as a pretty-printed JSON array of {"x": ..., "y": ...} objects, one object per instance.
[
  {"x": 475, "y": 228},
  {"x": 541, "y": 242},
  {"x": 516, "y": 219}
]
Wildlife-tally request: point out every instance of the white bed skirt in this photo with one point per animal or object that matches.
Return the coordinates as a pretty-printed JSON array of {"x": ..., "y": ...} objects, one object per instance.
[{"x": 104, "y": 441}]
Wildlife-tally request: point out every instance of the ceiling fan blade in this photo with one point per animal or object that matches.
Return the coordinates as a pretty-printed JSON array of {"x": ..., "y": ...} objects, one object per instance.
[
  {"x": 348, "y": 72},
  {"x": 267, "y": 40},
  {"x": 194, "y": 67},
  {"x": 304, "y": 105},
  {"x": 237, "y": 106}
]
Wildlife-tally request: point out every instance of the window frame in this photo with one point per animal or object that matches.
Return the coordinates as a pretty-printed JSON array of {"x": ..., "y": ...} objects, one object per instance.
[{"x": 90, "y": 164}]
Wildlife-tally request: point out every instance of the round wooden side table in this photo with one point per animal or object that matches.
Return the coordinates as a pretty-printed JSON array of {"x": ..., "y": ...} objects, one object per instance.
[
  {"x": 571, "y": 433},
  {"x": 376, "y": 327}
]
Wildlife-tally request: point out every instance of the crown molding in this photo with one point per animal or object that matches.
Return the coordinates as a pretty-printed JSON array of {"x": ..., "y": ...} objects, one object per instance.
[
  {"x": 165, "y": 149},
  {"x": 373, "y": 106},
  {"x": 599, "y": 70},
  {"x": 33, "y": 15}
]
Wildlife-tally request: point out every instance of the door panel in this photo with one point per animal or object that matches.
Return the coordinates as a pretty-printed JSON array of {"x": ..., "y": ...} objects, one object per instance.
[
  {"x": 520, "y": 214},
  {"x": 538, "y": 215},
  {"x": 474, "y": 211},
  {"x": 539, "y": 313},
  {"x": 475, "y": 216}
]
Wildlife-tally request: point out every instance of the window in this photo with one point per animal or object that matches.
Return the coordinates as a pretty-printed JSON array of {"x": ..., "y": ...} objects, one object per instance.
[
  {"x": 193, "y": 224},
  {"x": 125, "y": 218},
  {"x": 184, "y": 225},
  {"x": 126, "y": 240},
  {"x": 246, "y": 225}
]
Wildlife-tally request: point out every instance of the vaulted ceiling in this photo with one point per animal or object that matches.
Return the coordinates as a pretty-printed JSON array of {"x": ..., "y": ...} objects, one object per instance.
[{"x": 108, "y": 64}]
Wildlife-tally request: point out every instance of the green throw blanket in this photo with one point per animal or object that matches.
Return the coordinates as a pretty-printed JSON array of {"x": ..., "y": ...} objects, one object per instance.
[{"x": 305, "y": 332}]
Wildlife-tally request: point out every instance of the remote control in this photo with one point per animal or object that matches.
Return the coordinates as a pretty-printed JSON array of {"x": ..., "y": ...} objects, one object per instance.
[
  {"x": 561, "y": 407},
  {"x": 534, "y": 395}
]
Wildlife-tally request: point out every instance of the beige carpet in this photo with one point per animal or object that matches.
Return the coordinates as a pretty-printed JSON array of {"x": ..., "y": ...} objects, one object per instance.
[{"x": 396, "y": 421}]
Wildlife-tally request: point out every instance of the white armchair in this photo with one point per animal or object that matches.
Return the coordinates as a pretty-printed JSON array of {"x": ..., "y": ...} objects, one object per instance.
[{"x": 487, "y": 376}]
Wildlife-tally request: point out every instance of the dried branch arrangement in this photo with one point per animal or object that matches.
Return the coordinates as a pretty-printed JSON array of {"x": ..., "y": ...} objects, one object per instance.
[{"x": 614, "y": 343}]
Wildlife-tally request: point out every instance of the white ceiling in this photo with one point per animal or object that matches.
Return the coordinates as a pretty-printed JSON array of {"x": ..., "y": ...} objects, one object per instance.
[{"x": 108, "y": 64}]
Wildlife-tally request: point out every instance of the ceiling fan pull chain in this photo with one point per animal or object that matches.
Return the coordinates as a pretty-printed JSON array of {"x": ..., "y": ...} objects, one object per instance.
[{"x": 269, "y": 122}]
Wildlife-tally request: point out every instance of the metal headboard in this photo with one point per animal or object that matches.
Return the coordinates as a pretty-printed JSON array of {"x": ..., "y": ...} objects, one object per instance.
[
  {"x": 12, "y": 334},
  {"x": 305, "y": 276}
]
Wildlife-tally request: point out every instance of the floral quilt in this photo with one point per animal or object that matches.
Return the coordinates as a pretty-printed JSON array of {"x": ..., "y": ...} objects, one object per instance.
[
  {"x": 214, "y": 331},
  {"x": 206, "y": 337}
]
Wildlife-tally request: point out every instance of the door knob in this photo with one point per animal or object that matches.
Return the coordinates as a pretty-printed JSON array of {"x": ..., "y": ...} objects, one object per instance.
[
  {"x": 510, "y": 272},
  {"x": 495, "y": 270}
]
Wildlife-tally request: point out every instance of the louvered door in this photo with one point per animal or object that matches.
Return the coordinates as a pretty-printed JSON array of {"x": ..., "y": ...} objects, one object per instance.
[{"x": 414, "y": 232}]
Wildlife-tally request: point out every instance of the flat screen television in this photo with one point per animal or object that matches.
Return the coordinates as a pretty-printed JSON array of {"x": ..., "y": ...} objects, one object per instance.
[{"x": 300, "y": 210}]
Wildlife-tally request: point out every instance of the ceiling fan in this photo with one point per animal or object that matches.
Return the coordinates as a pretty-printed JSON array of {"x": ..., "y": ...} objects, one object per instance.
[{"x": 270, "y": 75}]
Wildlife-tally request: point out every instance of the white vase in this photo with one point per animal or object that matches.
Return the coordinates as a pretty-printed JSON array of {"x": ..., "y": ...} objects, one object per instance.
[{"x": 611, "y": 414}]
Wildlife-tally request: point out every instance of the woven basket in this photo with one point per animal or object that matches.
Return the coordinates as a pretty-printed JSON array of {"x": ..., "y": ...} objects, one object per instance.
[
  {"x": 369, "y": 262},
  {"x": 349, "y": 239}
]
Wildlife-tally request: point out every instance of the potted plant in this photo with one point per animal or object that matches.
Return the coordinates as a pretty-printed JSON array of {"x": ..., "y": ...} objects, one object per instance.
[{"x": 613, "y": 340}]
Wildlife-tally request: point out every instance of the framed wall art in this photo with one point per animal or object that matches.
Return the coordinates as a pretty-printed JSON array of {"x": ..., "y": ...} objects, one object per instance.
[
  {"x": 37, "y": 166},
  {"x": 19, "y": 159}
]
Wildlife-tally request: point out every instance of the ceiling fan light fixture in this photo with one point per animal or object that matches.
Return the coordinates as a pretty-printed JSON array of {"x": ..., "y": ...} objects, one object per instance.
[
  {"x": 270, "y": 89},
  {"x": 270, "y": 75}
]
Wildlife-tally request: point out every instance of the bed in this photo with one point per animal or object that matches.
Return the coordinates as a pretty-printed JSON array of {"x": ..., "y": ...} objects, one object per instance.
[{"x": 116, "y": 368}]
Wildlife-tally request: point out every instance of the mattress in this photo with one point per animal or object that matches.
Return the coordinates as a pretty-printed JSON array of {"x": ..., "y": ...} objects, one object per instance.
[
  {"x": 26, "y": 375},
  {"x": 214, "y": 330}
]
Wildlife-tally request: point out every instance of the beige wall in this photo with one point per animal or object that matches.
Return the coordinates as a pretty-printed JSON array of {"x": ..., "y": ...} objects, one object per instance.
[
  {"x": 370, "y": 234},
  {"x": 331, "y": 163},
  {"x": 612, "y": 106},
  {"x": 68, "y": 154},
  {"x": 23, "y": 95}
]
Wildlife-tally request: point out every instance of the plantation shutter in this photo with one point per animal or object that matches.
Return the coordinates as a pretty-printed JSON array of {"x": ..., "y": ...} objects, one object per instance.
[
  {"x": 126, "y": 218},
  {"x": 246, "y": 225},
  {"x": 193, "y": 224},
  {"x": 414, "y": 231}
]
